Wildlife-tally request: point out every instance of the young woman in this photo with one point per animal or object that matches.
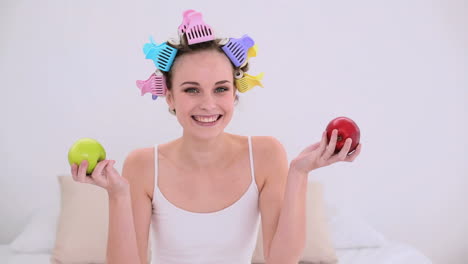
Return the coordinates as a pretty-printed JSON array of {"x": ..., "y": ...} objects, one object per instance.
[{"x": 204, "y": 192}]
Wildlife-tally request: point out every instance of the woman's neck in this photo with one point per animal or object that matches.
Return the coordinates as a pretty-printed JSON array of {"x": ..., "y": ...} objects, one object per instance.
[{"x": 201, "y": 155}]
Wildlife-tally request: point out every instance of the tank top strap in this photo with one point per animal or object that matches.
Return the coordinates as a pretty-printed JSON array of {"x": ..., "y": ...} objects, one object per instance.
[
  {"x": 251, "y": 159},
  {"x": 156, "y": 166}
]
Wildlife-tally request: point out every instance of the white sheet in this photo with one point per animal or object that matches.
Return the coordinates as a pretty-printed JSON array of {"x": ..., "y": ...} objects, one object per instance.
[
  {"x": 4, "y": 253},
  {"x": 9, "y": 257},
  {"x": 392, "y": 253}
]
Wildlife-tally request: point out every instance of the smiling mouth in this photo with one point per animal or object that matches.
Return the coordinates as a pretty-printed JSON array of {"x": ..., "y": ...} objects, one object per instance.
[{"x": 207, "y": 119}]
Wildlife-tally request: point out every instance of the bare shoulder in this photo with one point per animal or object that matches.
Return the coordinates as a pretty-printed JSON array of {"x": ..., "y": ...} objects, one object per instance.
[
  {"x": 140, "y": 155},
  {"x": 266, "y": 144},
  {"x": 138, "y": 168},
  {"x": 267, "y": 149},
  {"x": 270, "y": 157}
]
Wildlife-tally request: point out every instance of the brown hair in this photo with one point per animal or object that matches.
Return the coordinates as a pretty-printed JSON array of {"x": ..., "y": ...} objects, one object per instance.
[{"x": 184, "y": 48}]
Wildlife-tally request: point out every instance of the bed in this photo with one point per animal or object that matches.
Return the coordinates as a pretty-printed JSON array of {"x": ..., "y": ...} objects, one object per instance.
[
  {"x": 336, "y": 233},
  {"x": 7, "y": 256},
  {"x": 392, "y": 253}
]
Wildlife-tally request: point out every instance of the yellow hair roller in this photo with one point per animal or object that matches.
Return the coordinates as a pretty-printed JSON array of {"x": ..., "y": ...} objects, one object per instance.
[
  {"x": 252, "y": 52},
  {"x": 247, "y": 82}
]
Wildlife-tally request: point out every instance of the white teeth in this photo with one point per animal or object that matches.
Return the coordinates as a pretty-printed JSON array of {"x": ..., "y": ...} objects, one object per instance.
[{"x": 206, "y": 119}]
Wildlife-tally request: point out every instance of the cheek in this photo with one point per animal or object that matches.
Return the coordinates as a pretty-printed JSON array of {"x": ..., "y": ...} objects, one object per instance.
[
  {"x": 229, "y": 100},
  {"x": 228, "y": 108}
]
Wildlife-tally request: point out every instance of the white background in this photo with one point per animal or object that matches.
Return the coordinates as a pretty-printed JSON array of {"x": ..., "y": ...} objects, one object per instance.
[{"x": 398, "y": 68}]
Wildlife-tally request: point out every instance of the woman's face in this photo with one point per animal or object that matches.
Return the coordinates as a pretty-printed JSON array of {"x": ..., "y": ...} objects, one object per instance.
[{"x": 202, "y": 93}]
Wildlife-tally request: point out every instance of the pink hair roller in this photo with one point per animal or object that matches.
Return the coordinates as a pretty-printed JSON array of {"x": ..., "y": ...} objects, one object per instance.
[
  {"x": 156, "y": 85},
  {"x": 197, "y": 31},
  {"x": 185, "y": 21}
]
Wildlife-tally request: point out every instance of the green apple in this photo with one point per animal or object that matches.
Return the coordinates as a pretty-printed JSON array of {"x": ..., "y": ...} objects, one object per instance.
[{"x": 86, "y": 149}]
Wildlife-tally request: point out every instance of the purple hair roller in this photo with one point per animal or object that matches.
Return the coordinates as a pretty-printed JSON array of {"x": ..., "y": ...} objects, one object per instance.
[{"x": 236, "y": 49}]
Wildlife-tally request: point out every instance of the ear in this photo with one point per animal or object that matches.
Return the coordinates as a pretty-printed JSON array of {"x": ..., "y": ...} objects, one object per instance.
[{"x": 170, "y": 99}]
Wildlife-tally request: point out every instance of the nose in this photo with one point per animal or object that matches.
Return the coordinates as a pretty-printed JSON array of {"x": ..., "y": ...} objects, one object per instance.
[{"x": 208, "y": 102}]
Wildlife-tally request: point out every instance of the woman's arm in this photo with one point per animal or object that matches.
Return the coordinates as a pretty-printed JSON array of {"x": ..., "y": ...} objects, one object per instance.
[
  {"x": 130, "y": 215},
  {"x": 289, "y": 239},
  {"x": 121, "y": 242},
  {"x": 282, "y": 204},
  {"x": 283, "y": 197}
]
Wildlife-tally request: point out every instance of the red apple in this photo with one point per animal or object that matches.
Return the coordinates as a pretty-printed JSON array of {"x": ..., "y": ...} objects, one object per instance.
[{"x": 347, "y": 128}]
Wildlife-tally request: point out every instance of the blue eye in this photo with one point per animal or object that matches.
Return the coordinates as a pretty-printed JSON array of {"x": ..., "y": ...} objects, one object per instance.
[
  {"x": 221, "y": 89},
  {"x": 191, "y": 90}
]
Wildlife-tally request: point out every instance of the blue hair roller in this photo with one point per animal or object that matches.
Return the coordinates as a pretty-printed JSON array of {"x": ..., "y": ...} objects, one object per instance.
[{"x": 163, "y": 55}]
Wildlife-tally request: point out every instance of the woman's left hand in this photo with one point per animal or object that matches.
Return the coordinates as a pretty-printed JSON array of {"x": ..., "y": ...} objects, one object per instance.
[{"x": 320, "y": 154}]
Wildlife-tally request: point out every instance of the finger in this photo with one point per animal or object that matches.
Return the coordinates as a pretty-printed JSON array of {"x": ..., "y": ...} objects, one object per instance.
[
  {"x": 111, "y": 171},
  {"x": 323, "y": 143},
  {"x": 341, "y": 156},
  {"x": 310, "y": 148},
  {"x": 88, "y": 179},
  {"x": 330, "y": 149},
  {"x": 74, "y": 171},
  {"x": 81, "y": 176},
  {"x": 354, "y": 155},
  {"x": 98, "y": 174},
  {"x": 79, "y": 173},
  {"x": 111, "y": 166},
  {"x": 345, "y": 150},
  {"x": 317, "y": 145}
]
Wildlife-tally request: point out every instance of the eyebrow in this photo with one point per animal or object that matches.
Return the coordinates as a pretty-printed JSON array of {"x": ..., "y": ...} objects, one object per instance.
[{"x": 195, "y": 83}]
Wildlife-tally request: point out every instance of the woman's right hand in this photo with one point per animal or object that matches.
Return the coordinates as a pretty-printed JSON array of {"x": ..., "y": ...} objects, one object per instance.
[{"x": 104, "y": 175}]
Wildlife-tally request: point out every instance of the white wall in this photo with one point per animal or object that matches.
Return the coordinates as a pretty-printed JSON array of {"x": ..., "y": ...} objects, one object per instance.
[{"x": 398, "y": 68}]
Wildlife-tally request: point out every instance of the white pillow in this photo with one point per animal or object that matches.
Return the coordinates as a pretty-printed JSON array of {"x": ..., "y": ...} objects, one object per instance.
[
  {"x": 350, "y": 231},
  {"x": 318, "y": 246},
  {"x": 29, "y": 258},
  {"x": 347, "y": 231},
  {"x": 38, "y": 236}
]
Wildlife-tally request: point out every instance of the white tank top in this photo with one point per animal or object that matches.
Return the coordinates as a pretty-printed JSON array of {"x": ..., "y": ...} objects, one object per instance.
[{"x": 227, "y": 236}]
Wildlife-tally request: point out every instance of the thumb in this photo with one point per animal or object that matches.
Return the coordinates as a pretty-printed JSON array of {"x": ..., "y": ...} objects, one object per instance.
[
  {"x": 111, "y": 164},
  {"x": 311, "y": 148}
]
